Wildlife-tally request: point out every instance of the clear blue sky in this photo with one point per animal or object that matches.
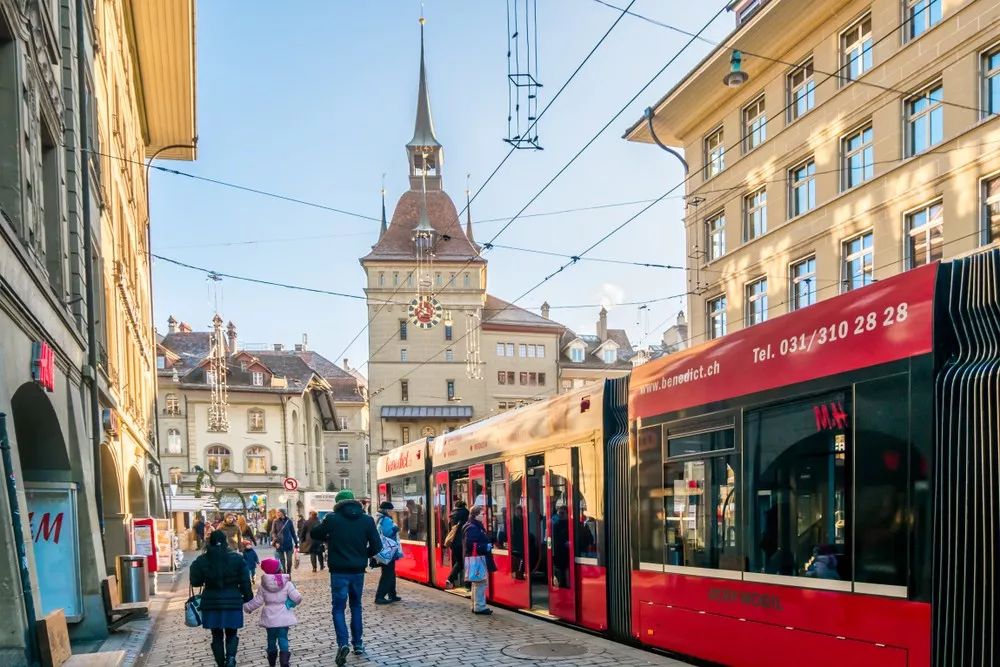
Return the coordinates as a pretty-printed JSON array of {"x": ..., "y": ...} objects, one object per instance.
[{"x": 315, "y": 100}]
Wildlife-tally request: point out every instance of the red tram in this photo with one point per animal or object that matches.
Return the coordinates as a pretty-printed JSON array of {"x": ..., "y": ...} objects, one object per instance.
[{"x": 819, "y": 489}]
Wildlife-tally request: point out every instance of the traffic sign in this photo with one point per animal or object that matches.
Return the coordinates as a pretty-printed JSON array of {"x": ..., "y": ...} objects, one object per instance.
[{"x": 290, "y": 483}]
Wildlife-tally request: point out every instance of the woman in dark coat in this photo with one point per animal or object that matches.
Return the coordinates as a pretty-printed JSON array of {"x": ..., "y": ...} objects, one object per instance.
[
  {"x": 226, "y": 579},
  {"x": 310, "y": 546},
  {"x": 458, "y": 518}
]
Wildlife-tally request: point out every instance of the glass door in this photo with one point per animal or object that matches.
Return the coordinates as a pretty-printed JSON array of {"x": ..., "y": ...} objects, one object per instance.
[
  {"x": 441, "y": 556},
  {"x": 562, "y": 556},
  {"x": 536, "y": 533}
]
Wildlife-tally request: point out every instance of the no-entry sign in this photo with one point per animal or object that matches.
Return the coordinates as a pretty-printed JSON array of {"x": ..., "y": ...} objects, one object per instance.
[{"x": 290, "y": 484}]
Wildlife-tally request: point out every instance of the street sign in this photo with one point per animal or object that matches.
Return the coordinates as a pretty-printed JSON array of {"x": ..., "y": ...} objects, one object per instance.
[{"x": 290, "y": 484}]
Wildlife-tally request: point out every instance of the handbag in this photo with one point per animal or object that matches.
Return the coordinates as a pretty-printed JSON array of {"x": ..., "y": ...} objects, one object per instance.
[
  {"x": 450, "y": 537},
  {"x": 390, "y": 548},
  {"x": 475, "y": 568},
  {"x": 192, "y": 609}
]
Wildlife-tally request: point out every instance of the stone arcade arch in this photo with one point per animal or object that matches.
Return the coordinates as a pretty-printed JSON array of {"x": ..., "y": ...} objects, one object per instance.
[
  {"x": 136, "y": 495},
  {"x": 41, "y": 447},
  {"x": 115, "y": 528}
]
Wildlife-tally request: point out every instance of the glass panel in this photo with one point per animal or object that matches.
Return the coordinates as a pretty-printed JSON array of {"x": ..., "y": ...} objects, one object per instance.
[
  {"x": 701, "y": 526},
  {"x": 562, "y": 551},
  {"x": 587, "y": 503},
  {"x": 698, "y": 443},
  {"x": 650, "y": 477},
  {"x": 516, "y": 539},
  {"x": 498, "y": 504},
  {"x": 408, "y": 511},
  {"x": 799, "y": 481},
  {"x": 441, "y": 520}
]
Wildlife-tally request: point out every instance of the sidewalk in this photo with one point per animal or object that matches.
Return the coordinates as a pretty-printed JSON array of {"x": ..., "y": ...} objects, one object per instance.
[{"x": 429, "y": 627}]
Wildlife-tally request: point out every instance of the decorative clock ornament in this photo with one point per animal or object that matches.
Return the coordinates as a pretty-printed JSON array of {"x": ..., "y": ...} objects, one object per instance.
[{"x": 425, "y": 312}]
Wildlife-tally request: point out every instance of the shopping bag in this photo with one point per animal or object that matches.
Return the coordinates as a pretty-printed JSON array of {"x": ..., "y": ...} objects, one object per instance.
[
  {"x": 295, "y": 560},
  {"x": 192, "y": 609},
  {"x": 475, "y": 568}
]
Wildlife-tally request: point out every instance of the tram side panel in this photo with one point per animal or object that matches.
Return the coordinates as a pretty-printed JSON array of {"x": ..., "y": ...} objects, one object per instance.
[{"x": 402, "y": 480}]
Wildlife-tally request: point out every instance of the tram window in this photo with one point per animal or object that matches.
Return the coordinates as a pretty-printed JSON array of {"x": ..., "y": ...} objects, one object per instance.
[
  {"x": 498, "y": 504},
  {"x": 799, "y": 489},
  {"x": 650, "y": 475},
  {"x": 700, "y": 497},
  {"x": 408, "y": 512},
  {"x": 883, "y": 463},
  {"x": 699, "y": 443},
  {"x": 441, "y": 514},
  {"x": 587, "y": 503}
]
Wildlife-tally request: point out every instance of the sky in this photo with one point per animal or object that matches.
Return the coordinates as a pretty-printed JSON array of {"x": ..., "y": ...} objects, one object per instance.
[{"x": 315, "y": 100}]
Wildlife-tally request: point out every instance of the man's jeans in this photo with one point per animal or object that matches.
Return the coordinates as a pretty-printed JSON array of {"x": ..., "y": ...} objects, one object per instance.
[{"x": 344, "y": 587}]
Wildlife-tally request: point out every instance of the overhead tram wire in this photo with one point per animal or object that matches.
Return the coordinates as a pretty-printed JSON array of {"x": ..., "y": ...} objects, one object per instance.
[
  {"x": 493, "y": 173},
  {"x": 632, "y": 218}
]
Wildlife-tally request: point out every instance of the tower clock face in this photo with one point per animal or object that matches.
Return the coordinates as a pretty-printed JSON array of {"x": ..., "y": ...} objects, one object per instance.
[{"x": 425, "y": 312}]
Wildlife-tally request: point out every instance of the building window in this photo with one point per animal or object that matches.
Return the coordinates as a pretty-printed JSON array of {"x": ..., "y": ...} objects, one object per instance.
[
  {"x": 802, "y": 276},
  {"x": 210, "y": 378},
  {"x": 449, "y": 355},
  {"x": 754, "y": 215},
  {"x": 343, "y": 423},
  {"x": 754, "y": 124},
  {"x": 405, "y": 434},
  {"x": 174, "y": 441},
  {"x": 409, "y": 279},
  {"x": 395, "y": 278},
  {"x": 447, "y": 332},
  {"x": 856, "y": 50},
  {"x": 541, "y": 379},
  {"x": 610, "y": 356},
  {"x": 345, "y": 483},
  {"x": 257, "y": 378},
  {"x": 381, "y": 279},
  {"x": 510, "y": 377},
  {"x": 218, "y": 459},
  {"x": 466, "y": 279},
  {"x": 500, "y": 349},
  {"x": 924, "y": 232},
  {"x": 991, "y": 83},
  {"x": 576, "y": 354},
  {"x": 920, "y": 16},
  {"x": 715, "y": 236},
  {"x": 756, "y": 302},
  {"x": 531, "y": 351},
  {"x": 858, "y": 265},
  {"x": 501, "y": 377},
  {"x": 522, "y": 350},
  {"x": 924, "y": 119},
  {"x": 540, "y": 351},
  {"x": 437, "y": 280},
  {"x": 255, "y": 420},
  {"x": 172, "y": 405},
  {"x": 801, "y": 90},
  {"x": 524, "y": 378},
  {"x": 716, "y": 311},
  {"x": 859, "y": 159},
  {"x": 802, "y": 188},
  {"x": 510, "y": 349},
  {"x": 715, "y": 154},
  {"x": 256, "y": 460},
  {"x": 404, "y": 390},
  {"x": 991, "y": 210},
  {"x": 344, "y": 452},
  {"x": 403, "y": 355},
  {"x": 450, "y": 387},
  {"x": 402, "y": 329}
]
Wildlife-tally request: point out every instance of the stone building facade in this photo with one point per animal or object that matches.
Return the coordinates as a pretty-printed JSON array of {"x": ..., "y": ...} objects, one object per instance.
[{"x": 865, "y": 142}]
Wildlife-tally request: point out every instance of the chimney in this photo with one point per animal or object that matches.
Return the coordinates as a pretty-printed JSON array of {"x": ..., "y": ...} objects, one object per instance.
[
  {"x": 231, "y": 337},
  {"x": 299, "y": 347},
  {"x": 305, "y": 342},
  {"x": 278, "y": 347},
  {"x": 347, "y": 366},
  {"x": 171, "y": 325},
  {"x": 184, "y": 327},
  {"x": 602, "y": 325},
  {"x": 545, "y": 309}
]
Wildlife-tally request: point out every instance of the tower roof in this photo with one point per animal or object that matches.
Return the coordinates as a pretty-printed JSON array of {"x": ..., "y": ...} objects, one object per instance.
[
  {"x": 423, "y": 127},
  {"x": 397, "y": 242}
]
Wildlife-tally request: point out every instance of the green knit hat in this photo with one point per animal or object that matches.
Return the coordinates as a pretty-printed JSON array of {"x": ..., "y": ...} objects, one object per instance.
[{"x": 346, "y": 494}]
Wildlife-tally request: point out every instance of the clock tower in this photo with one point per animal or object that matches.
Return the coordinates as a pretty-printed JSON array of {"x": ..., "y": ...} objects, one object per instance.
[{"x": 426, "y": 289}]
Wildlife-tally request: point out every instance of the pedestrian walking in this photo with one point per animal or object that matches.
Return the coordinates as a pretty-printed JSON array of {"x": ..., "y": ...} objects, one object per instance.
[
  {"x": 226, "y": 581},
  {"x": 277, "y": 595},
  {"x": 478, "y": 559},
  {"x": 246, "y": 533},
  {"x": 251, "y": 558},
  {"x": 453, "y": 541},
  {"x": 232, "y": 531},
  {"x": 351, "y": 539},
  {"x": 285, "y": 539},
  {"x": 314, "y": 548},
  {"x": 266, "y": 532},
  {"x": 199, "y": 532},
  {"x": 386, "y": 591}
]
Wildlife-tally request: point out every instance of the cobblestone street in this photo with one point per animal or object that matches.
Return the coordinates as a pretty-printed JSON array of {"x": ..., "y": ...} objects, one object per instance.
[{"x": 429, "y": 627}]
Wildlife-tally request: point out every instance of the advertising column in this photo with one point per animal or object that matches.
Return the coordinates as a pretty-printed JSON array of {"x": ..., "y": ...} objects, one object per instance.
[{"x": 52, "y": 513}]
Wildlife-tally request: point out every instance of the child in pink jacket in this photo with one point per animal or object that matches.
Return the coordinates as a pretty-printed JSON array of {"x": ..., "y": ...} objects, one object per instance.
[{"x": 277, "y": 594}]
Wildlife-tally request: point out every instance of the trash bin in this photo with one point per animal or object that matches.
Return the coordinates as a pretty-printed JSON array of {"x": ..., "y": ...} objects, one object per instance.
[{"x": 133, "y": 581}]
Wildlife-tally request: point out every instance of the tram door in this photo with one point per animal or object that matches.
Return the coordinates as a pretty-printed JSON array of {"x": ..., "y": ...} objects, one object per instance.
[
  {"x": 537, "y": 527},
  {"x": 562, "y": 556},
  {"x": 441, "y": 557}
]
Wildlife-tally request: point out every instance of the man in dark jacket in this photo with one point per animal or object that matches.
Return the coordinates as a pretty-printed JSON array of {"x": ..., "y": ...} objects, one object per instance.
[
  {"x": 351, "y": 539},
  {"x": 457, "y": 521},
  {"x": 285, "y": 539}
]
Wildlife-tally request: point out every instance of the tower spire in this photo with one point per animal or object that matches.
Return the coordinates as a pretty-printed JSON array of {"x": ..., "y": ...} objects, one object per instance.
[
  {"x": 424, "y": 150},
  {"x": 385, "y": 225},
  {"x": 468, "y": 211}
]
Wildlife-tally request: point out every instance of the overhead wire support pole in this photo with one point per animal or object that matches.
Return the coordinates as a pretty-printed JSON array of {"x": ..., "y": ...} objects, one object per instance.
[{"x": 525, "y": 79}]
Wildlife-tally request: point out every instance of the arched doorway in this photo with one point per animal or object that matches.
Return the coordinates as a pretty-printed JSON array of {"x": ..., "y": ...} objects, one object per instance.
[
  {"x": 153, "y": 499},
  {"x": 115, "y": 529},
  {"x": 40, "y": 444},
  {"x": 136, "y": 495}
]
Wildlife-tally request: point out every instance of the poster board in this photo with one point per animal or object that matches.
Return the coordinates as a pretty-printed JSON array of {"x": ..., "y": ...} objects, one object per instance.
[
  {"x": 52, "y": 513},
  {"x": 144, "y": 542},
  {"x": 164, "y": 545}
]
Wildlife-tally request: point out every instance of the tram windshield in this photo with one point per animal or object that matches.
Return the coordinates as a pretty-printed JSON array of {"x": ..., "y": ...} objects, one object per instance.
[{"x": 407, "y": 495}]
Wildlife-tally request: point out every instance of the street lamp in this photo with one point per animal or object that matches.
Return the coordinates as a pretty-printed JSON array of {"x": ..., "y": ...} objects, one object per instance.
[
  {"x": 648, "y": 115},
  {"x": 736, "y": 76}
]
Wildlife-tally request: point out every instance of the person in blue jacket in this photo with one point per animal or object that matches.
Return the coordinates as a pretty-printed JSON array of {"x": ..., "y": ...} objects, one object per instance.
[{"x": 386, "y": 591}]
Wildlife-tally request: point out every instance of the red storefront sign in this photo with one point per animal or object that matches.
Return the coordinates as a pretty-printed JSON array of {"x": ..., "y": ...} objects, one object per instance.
[
  {"x": 887, "y": 321},
  {"x": 43, "y": 365}
]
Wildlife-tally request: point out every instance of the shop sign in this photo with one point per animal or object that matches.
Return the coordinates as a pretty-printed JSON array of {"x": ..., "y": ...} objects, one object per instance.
[
  {"x": 43, "y": 365},
  {"x": 54, "y": 540},
  {"x": 110, "y": 421}
]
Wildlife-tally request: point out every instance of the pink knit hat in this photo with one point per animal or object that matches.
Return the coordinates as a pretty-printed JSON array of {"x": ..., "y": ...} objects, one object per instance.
[{"x": 271, "y": 566}]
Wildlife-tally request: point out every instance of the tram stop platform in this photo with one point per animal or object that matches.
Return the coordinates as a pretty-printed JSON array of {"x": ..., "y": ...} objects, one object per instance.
[{"x": 427, "y": 628}]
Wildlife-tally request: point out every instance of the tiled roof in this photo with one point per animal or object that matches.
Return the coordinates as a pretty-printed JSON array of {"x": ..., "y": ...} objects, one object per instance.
[
  {"x": 427, "y": 411},
  {"x": 191, "y": 347},
  {"x": 591, "y": 359},
  {"x": 345, "y": 386},
  {"x": 500, "y": 312},
  {"x": 287, "y": 365},
  {"x": 452, "y": 243}
]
